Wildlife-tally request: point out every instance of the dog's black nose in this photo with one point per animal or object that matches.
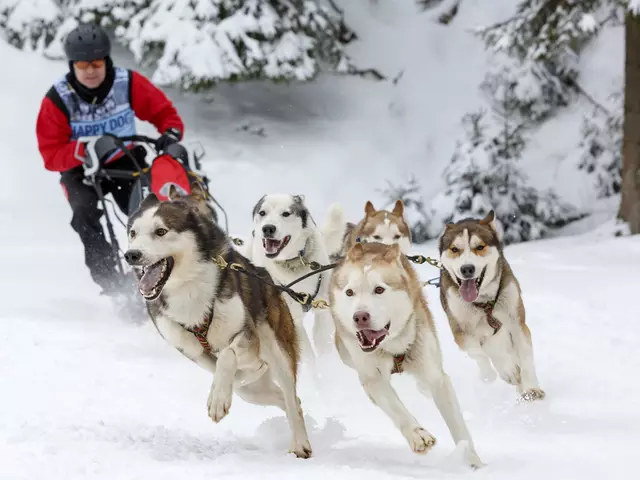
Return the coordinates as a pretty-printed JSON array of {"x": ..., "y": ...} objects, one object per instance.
[
  {"x": 132, "y": 256},
  {"x": 269, "y": 230},
  {"x": 361, "y": 318},
  {"x": 467, "y": 271}
]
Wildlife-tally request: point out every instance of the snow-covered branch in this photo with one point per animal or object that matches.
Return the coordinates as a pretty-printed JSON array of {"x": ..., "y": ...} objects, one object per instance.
[
  {"x": 197, "y": 43},
  {"x": 30, "y": 24}
]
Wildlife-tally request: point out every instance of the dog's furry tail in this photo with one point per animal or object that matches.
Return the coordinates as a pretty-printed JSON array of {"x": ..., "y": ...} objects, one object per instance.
[{"x": 334, "y": 229}]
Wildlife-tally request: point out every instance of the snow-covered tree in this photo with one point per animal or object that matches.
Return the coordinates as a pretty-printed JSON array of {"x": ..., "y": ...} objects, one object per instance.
[
  {"x": 551, "y": 32},
  {"x": 197, "y": 43},
  {"x": 536, "y": 93},
  {"x": 448, "y": 9},
  {"x": 416, "y": 212},
  {"x": 539, "y": 47},
  {"x": 600, "y": 149},
  {"x": 484, "y": 174},
  {"x": 29, "y": 24},
  {"x": 465, "y": 194}
]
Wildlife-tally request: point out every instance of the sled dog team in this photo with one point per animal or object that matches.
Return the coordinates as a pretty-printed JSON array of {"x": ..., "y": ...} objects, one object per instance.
[{"x": 219, "y": 306}]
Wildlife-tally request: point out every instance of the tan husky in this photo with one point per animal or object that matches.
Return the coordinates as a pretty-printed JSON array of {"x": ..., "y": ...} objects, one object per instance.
[
  {"x": 383, "y": 226},
  {"x": 482, "y": 299},
  {"x": 384, "y": 326}
]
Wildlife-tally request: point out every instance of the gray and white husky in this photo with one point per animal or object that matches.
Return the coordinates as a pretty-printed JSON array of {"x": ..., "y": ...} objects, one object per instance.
[
  {"x": 483, "y": 302},
  {"x": 229, "y": 323},
  {"x": 286, "y": 240}
]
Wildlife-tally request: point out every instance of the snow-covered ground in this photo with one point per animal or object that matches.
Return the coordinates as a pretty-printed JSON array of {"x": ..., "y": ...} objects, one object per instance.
[{"x": 83, "y": 394}]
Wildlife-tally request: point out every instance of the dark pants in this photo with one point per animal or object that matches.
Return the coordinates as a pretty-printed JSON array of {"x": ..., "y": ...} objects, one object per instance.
[{"x": 87, "y": 212}]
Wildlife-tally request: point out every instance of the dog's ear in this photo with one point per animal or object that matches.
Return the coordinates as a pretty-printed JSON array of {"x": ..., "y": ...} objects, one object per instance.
[
  {"x": 369, "y": 209},
  {"x": 198, "y": 193},
  {"x": 490, "y": 220},
  {"x": 173, "y": 193},
  {"x": 299, "y": 208},
  {"x": 258, "y": 206},
  {"x": 392, "y": 254},
  {"x": 149, "y": 201},
  {"x": 398, "y": 208},
  {"x": 356, "y": 252}
]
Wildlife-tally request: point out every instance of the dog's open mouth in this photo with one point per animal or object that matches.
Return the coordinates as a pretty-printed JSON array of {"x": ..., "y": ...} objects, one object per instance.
[
  {"x": 154, "y": 278},
  {"x": 470, "y": 288},
  {"x": 369, "y": 340},
  {"x": 273, "y": 247}
]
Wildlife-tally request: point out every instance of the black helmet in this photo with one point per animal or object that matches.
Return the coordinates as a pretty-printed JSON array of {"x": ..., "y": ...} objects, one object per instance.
[{"x": 87, "y": 42}]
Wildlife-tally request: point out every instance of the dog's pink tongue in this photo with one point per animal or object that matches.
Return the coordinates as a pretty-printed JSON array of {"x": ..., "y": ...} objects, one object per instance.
[
  {"x": 150, "y": 278},
  {"x": 373, "y": 335},
  {"x": 469, "y": 290}
]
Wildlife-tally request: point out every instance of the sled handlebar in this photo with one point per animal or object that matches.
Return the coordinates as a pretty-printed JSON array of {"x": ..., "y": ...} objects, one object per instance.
[
  {"x": 101, "y": 146},
  {"x": 96, "y": 146},
  {"x": 139, "y": 138}
]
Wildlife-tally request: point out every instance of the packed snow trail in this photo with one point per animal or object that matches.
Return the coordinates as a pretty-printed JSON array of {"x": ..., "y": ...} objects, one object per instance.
[{"x": 83, "y": 394}]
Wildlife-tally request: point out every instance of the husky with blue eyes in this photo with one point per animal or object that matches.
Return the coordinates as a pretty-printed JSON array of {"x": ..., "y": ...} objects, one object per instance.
[{"x": 383, "y": 327}]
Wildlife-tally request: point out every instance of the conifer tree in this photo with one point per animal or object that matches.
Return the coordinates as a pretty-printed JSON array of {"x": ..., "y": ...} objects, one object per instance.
[
  {"x": 485, "y": 174},
  {"x": 196, "y": 43}
]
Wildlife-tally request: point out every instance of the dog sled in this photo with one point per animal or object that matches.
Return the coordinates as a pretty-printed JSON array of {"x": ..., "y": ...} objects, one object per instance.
[{"x": 175, "y": 166}]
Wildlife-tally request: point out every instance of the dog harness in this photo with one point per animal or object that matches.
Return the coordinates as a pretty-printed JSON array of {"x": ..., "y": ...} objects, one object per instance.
[
  {"x": 491, "y": 320},
  {"x": 303, "y": 261},
  {"x": 398, "y": 361},
  {"x": 200, "y": 331},
  {"x": 307, "y": 306}
]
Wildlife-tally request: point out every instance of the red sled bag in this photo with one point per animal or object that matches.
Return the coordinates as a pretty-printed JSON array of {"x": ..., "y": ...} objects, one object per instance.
[{"x": 166, "y": 171}]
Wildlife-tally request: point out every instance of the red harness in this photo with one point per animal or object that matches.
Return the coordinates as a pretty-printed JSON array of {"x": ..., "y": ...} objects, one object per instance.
[{"x": 201, "y": 331}]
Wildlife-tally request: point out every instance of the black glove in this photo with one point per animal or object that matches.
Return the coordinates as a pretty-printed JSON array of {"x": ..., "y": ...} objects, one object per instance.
[
  {"x": 105, "y": 147},
  {"x": 169, "y": 137}
]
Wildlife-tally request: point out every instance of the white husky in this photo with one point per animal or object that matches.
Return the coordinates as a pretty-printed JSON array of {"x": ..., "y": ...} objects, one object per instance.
[
  {"x": 286, "y": 240},
  {"x": 384, "y": 326}
]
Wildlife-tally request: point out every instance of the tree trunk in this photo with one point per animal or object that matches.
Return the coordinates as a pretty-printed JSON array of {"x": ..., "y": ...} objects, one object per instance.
[{"x": 630, "y": 197}]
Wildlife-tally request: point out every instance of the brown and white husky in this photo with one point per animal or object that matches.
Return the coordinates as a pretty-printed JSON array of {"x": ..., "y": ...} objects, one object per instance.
[
  {"x": 382, "y": 226},
  {"x": 483, "y": 302},
  {"x": 231, "y": 324}
]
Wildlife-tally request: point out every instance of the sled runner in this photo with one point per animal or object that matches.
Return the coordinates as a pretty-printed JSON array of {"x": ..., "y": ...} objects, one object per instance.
[{"x": 171, "y": 167}]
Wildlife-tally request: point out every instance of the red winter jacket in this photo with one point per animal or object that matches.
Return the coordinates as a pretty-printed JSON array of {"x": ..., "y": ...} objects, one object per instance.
[{"x": 53, "y": 131}]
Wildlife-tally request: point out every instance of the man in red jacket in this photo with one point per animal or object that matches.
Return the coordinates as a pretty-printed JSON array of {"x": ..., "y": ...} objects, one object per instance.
[{"x": 96, "y": 98}]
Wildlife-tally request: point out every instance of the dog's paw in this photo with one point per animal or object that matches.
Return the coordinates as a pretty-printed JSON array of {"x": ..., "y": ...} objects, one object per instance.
[
  {"x": 511, "y": 376},
  {"x": 487, "y": 373},
  {"x": 419, "y": 439},
  {"x": 219, "y": 403},
  {"x": 533, "y": 394},
  {"x": 473, "y": 459},
  {"x": 301, "y": 450}
]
